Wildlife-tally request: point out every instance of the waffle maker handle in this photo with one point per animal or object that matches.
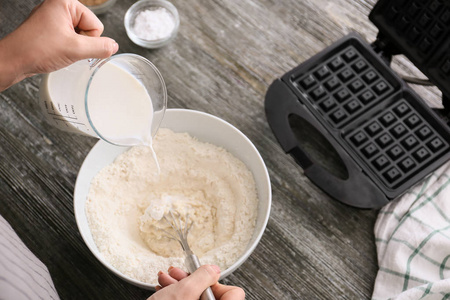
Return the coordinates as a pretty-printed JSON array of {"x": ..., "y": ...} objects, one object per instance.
[{"x": 356, "y": 190}]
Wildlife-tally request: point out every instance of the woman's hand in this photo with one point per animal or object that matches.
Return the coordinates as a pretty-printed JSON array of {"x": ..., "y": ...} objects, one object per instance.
[
  {"x": 56, "y": 34},
  {"x": 177, "y": 284}
]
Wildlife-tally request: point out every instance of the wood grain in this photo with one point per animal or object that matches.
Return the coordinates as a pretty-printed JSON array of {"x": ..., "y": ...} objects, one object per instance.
[{"x": 224, "y": 58}]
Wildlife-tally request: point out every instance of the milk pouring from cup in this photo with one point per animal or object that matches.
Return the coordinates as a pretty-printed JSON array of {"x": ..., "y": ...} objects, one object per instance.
[{"x": 121, "y": 99}]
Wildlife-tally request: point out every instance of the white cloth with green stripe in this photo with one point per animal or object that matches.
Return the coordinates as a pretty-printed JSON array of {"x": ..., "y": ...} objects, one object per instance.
[{"x": 413, "y": 242}]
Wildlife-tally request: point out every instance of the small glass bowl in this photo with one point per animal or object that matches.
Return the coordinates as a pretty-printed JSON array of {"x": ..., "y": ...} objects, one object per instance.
[
  {"x": 101, "y": 8},
  {"x": 142, "y": 5}
]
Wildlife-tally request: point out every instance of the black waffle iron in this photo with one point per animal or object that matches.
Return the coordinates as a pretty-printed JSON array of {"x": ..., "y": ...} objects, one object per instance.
[{"x": 384, "y": 133}]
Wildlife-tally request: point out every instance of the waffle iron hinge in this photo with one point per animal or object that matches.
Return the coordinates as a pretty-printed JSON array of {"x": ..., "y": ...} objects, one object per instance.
[{"x": 386, "y": 50}]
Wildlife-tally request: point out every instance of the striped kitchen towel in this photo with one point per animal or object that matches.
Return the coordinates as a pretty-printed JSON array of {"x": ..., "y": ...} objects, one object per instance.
[{"x": 412, "y": 236}]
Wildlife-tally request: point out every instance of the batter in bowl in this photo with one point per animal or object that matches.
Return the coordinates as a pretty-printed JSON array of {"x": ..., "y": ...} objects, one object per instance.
[{"x": 128, "y": 199}]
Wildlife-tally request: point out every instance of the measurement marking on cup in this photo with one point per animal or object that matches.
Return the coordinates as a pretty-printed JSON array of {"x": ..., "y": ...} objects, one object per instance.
[
  {"x": 56, "y": 119},
  {"x": 59, "y": 115}
]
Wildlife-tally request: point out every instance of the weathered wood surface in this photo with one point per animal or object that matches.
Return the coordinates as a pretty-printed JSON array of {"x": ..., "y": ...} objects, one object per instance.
[{"x": 222, "y": 62}]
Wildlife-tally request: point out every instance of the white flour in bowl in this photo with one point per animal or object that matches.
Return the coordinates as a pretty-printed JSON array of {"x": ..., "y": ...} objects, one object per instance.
[{"x": 127, "y": 200}]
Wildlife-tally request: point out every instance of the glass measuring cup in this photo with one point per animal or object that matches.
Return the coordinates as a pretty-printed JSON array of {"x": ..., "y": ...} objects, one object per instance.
[{"x": 121, "y": 99}]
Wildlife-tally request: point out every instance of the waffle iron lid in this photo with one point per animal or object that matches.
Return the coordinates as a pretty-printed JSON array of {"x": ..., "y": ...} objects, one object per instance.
[{"x": 419, "y": 29}]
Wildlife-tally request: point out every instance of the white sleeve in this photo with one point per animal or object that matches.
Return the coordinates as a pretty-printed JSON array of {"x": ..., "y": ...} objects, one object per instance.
[{"x": 22, "y": 274}]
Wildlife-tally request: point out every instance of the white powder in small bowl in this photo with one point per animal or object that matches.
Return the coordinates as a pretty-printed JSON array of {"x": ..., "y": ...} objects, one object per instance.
[
  {"x": 154, "y": 24},
  {"x": 127, "y": 199}
]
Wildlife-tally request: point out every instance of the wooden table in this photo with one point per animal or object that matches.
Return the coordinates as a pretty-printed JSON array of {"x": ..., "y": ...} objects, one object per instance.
[{"x": 222, "y": 61}]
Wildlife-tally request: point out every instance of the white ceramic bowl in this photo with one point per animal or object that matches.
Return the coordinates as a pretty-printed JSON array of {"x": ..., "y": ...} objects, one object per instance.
[{"x": 206, "y": 128}]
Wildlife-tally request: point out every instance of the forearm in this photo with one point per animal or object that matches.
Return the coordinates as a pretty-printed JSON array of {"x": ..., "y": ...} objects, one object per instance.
[
  {"x": 11, "y": 70},
  {"x": 47, "y": 41}
]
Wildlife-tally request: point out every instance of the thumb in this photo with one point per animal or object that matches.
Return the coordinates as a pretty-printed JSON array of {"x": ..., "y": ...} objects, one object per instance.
[
  {"x": 95, "y": 47},
  {"x": 202, "y": 278}
]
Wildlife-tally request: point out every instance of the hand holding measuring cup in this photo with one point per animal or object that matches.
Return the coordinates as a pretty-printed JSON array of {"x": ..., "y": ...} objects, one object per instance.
[
  {"x": 59, "y": 36},
  {"x": 56, "y": 34}
]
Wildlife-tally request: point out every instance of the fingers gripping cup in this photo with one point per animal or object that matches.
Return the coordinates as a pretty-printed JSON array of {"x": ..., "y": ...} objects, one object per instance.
[{"x": 121, "y": 99}]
